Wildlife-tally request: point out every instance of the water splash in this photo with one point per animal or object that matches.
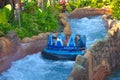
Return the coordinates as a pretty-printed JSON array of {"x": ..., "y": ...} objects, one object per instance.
[
  {"x": 92, "y": 27},
  {"x": 34, "y": 67},
  {"x": 114, "y": 76}
]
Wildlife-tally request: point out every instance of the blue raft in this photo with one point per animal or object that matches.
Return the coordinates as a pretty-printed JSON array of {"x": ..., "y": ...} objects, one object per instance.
[{"x": 57, "y": 50}]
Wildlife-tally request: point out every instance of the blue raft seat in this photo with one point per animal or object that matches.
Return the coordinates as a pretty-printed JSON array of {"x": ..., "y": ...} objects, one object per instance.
[
  {"x": 71, "y": 42},
  {"x": 50, "y": 40},
  {"x": 83, "y": 39},
  {"x": 59, "y": 41}
]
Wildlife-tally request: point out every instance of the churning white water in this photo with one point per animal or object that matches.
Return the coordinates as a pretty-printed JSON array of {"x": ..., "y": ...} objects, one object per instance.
[
  {"x": 34, "y": 67},
  {"x": 92, "y": 27}
]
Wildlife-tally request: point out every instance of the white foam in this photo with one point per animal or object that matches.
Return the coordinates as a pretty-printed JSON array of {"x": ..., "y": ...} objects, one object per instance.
[
  {"x": 34, "y": 67},
  {"x": 93, "y": 28}
]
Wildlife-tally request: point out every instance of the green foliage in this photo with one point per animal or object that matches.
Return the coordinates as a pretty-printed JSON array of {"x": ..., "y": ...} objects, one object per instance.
[
  {"x": 68, "y": 7},
  {"x": 73, "y": 5},
  {"x": 96, "y": 3},
  {"x": 4, "y": 15},
  {"x": 33, "y": 21},
  {"x": 31, "y": 7},
  {"x": 37, "y": 22},
  {"x": 88, "y": 3},
  {"x": 115, "y": 6}
]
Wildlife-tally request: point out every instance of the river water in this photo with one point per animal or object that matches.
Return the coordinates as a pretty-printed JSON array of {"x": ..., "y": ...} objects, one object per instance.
[
  {"x": 114, "y": 76},
  {"x": 34, "y": 67}
]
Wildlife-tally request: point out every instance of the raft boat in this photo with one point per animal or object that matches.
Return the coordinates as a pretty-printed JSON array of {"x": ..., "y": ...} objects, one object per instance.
[{"x": 57, "y": 50}]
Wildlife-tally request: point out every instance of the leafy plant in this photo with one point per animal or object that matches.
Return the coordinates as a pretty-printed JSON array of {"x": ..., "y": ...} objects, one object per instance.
[
  {"x": 115, "y": 6},
  {"x": 33, "y": 21}
]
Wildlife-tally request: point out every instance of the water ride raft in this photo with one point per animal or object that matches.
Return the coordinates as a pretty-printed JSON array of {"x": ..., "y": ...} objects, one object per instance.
[{"x": 57, "y": 49}]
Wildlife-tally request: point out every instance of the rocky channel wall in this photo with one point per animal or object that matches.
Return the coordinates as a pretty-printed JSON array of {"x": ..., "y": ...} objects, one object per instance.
[
  {"x": 86, "y": 12},
  {"x": 12, "y": 48},
  {"x": 102, "y": 57}
]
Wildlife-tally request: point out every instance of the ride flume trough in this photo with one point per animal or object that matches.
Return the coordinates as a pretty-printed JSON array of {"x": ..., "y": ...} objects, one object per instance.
[{"x": 100, "y": 60}]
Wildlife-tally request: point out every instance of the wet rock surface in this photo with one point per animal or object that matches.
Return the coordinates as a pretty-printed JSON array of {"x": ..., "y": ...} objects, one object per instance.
[
  {"x": 103, "y": 57},
  {"x": 86, "y": 12},
  {"x": 12, "y": 48}
]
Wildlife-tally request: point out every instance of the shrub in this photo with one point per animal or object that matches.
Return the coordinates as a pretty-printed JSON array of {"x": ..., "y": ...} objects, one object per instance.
[
  {"x": 33, "y": 21},
  {"x": 115, "y": 6}
]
